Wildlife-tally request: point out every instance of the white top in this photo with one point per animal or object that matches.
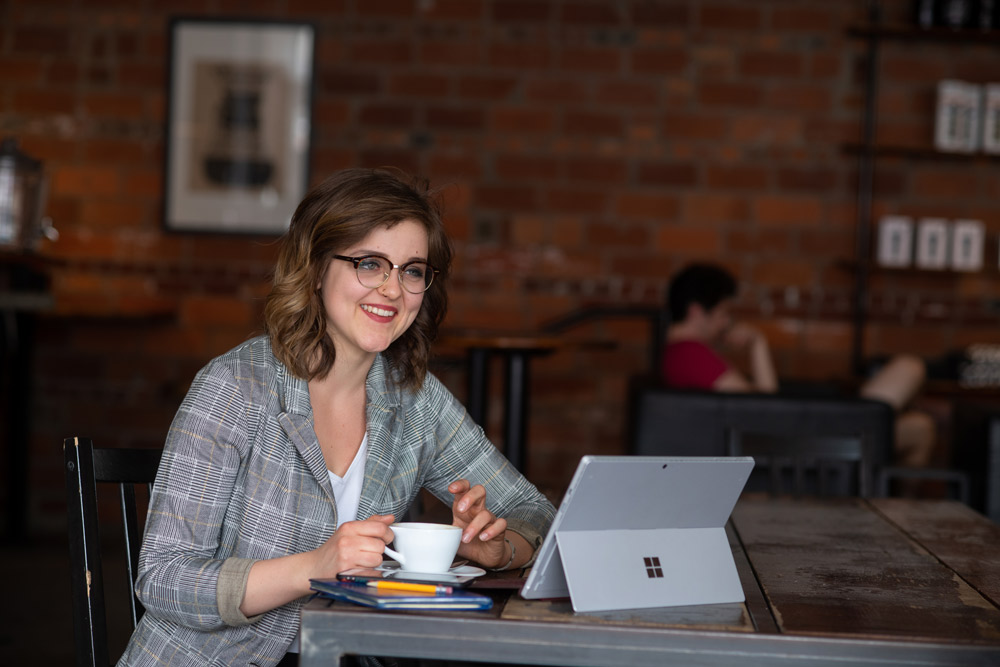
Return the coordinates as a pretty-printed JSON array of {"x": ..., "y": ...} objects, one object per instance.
[{"x": 347, "y": 489}]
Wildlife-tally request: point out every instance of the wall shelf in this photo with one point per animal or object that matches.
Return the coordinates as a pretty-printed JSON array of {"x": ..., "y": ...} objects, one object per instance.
[{"x": 869, "y": 150}]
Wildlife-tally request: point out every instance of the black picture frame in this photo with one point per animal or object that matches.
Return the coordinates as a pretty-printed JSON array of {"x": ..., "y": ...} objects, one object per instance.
[{"x": 239, "y": 124}]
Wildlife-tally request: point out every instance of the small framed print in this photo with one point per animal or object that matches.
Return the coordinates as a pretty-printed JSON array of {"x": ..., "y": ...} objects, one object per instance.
[
  {"x": 967, "y": 245},
  {"x": 238, "y": 124},
  {"x": 895, "y": 241},
  {"x": 956, "y": 126},
  {"x": 932, "y": 243}
]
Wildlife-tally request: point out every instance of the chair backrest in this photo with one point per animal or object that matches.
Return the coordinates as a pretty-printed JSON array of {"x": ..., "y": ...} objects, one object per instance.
[
  {"x": 807, "y": 464},
  {"x": 86, "y": 466}
]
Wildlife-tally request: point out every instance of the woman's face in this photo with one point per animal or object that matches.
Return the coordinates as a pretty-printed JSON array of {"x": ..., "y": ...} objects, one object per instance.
[{"x": 360, "y": 320}]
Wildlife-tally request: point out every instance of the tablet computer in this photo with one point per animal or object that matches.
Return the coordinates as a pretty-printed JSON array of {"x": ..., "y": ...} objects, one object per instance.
[{"x": 654, "y": 526}]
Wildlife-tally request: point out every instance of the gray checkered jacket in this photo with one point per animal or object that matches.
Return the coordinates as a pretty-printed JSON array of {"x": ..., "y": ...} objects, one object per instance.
[{"x": 243, "y": 479}]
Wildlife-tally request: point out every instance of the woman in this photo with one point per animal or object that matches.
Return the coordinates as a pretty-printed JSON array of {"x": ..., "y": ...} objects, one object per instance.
[{"x": 293, "y": 453}]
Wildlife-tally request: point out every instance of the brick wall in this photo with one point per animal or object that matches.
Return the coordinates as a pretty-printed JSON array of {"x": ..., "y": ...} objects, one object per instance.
[{"x": 586, "y": 150}]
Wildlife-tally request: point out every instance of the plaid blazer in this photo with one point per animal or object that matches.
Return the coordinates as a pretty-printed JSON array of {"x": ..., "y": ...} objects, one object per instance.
[{"x": 243, "y": 478}]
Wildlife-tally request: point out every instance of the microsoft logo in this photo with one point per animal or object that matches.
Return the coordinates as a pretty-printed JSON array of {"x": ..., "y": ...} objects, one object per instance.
[{"x": 653, "y": 569}]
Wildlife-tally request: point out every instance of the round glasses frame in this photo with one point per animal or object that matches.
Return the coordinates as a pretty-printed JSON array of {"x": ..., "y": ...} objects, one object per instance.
[{"x": 400, "y": 268}]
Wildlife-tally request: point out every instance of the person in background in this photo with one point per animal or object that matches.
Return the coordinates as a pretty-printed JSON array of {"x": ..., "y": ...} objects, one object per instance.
[
  {"x": 703, "y": 338},
  {"x": 292, "y": 454}
]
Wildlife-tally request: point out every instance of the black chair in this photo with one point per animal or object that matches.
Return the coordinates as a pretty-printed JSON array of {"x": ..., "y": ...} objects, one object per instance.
[
  {"x": 807, "y": 465},
  {"x": 683, "y": 422},
  {"x": 129, "y": 469}
]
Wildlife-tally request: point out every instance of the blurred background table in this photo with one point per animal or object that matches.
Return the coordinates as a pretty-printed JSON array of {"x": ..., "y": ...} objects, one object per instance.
[{"x": 516, "y": 350}]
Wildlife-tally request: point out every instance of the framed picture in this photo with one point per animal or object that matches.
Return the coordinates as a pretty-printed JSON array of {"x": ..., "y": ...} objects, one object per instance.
[
  {"x": 967, "y": 238},
  {"x": 238, "y": 124},
  {"x": 895, "y": 241},
  {"x": 932, "y": 243},
  {"x": 956, "y": 126}
]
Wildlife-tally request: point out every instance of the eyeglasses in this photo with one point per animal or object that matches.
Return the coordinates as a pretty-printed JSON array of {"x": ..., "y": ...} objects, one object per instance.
[{"x": 373, "y": 270}]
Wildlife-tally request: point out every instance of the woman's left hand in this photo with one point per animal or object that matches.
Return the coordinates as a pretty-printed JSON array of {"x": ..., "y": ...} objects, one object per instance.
[{"x": 482, "y": 533}]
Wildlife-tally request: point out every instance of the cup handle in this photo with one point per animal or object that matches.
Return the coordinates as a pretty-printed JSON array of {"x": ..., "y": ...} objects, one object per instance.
[{"x": 395, "y": 555}]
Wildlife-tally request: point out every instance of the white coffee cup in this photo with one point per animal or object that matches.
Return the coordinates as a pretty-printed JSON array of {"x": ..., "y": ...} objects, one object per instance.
[{"x": 424, "y": 547}]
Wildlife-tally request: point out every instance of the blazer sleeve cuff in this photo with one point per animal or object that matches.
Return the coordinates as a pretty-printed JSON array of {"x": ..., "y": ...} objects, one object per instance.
[
  {"x": 530, "y": 535},
  {"x": 231, "y": 588}
]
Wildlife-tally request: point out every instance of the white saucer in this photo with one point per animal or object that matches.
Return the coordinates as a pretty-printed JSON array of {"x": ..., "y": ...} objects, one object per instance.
[{"x": 454, "y": 571}]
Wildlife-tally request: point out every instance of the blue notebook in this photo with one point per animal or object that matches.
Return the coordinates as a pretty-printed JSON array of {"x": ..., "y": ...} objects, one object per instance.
[{"x": 368, "y": 596}]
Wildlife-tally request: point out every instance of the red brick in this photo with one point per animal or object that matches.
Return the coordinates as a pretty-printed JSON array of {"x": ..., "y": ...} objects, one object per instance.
[
  {"x": 43, "y": 41},
  {"x": 521, "y": 11},
  {"x": 671, "y": 174},
  {"x": 387, "y": 115},
  {"x": 457, "y": 10},
  {"x": 332, "y": 112},
  {"x": 691, "y": 241},
  {"x": 729, "y": 17},
  {"x": 348, "y": 81},
  {"x": 522, "y": 121},
  {"x": 138, "y": 75},
  {"x": 695, "y": 126},
  {"x": 446, "y": 164},
  {"x": 43, "y": 102},
  {"x": 113, "y": 214},
  {"x": 86, "y": 181},
  {"x": 527, "y": 230},
  {"x": 659, "y": 61},
  {"x": 597, "y": 170},
  {"x": 419, "y": 85},
  {"x": 519, "y": 167},
  {"x": 20, "y": 70},
  {"x": 583, "y": 59},
  {"x": 564, "y": 200},
  {"x": 800, "y": 97},
  {"x": 506, "y": 197},
  {"x": 387, "y": 8},
  {"x": 450, "y": 51},
  {"x": 766, "y": 128},
  {"x": 781, "y": 64},
  {"x": 381, "y": 52},
  {"x": 806, "y": 19},
  {"x": 811, "y": 179},
  {"x": 787, "y": 210},
  {"x": 563, "y": 91},
  {"x": 737, "y": 177},
  {"x": 486, "y": 87},
  {"x": 590, "y": 13},
  {"x": 955, "y": 184},
  {"x": 456, "y": 118},
  {"x": 782, "y": 273},
  {"x": 739, "y": 95},
  {"x": 406, "y": 160},
  {"x": 713, "y": 208},
  {"x": 519, "y": 56},
  {"x": 660, "y": 14},
  {"x": 642, "y": 205},
  {"x": 593, "y": 124},
  {"x": 114, "y": 105},
  {"x": 627, "y": 93}
]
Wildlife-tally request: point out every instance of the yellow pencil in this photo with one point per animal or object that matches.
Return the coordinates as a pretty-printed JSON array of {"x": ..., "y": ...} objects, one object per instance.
[{"x": 405, "y": 586}]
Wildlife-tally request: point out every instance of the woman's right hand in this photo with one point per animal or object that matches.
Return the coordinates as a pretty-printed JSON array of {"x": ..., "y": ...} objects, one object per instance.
[{"x": 354, "y": 544}]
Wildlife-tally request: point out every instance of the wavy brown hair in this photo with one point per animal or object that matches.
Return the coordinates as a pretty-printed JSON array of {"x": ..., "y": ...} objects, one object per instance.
[{"x": 340, "y": 212}]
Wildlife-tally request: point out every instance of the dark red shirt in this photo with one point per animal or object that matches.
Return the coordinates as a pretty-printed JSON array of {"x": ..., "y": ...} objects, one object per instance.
[{"x": 690, "y": 364}]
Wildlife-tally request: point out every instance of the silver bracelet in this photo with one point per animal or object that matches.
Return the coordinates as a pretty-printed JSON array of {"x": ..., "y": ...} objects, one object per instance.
[{"x": 513, "y": 552}]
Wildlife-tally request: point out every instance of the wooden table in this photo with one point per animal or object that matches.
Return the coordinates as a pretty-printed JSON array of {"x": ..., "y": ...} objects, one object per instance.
[{"x": 847, "y": 582}]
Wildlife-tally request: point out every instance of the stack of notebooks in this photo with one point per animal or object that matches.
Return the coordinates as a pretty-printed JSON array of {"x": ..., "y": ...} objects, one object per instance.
[{"x": 387, "y": 598}]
